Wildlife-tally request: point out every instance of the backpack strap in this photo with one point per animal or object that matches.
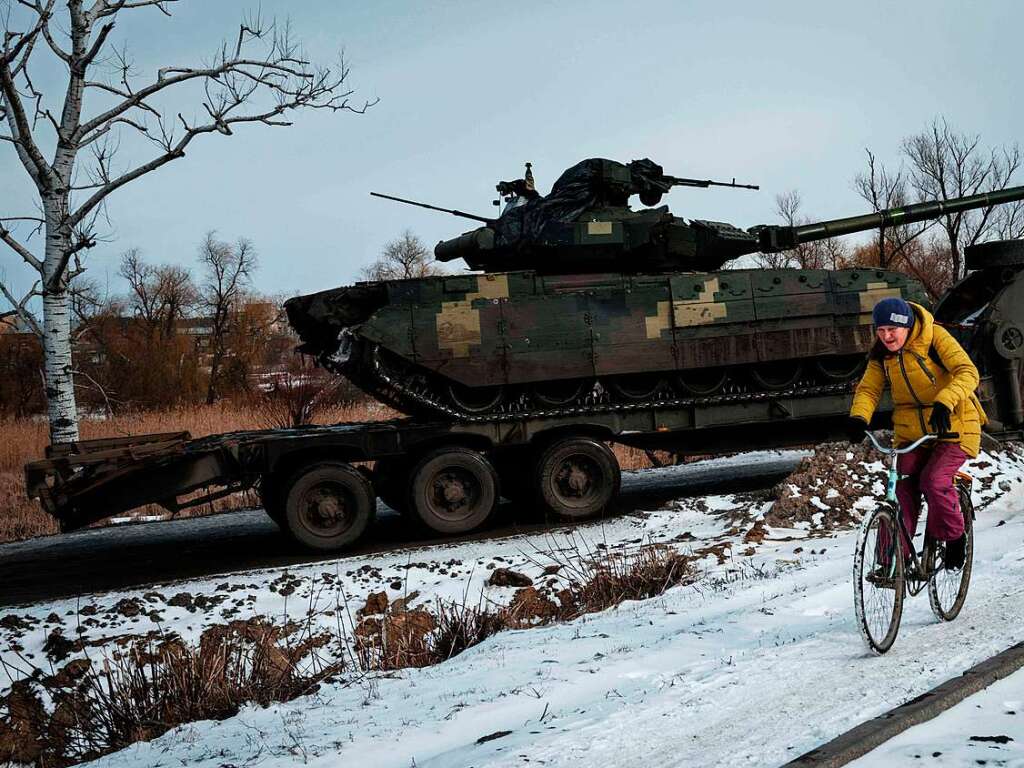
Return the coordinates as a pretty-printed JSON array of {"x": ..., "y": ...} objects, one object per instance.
[{"x": 933, "y": 353}]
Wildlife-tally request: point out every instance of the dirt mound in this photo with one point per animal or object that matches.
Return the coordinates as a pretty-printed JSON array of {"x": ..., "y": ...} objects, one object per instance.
[{"x": 823, "y": 489}]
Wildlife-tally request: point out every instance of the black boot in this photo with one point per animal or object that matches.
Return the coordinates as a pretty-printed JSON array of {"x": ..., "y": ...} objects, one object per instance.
[{"x": 955, "y": 553}]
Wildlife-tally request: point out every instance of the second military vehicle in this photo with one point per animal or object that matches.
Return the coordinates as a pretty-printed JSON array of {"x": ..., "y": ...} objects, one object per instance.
[{"x": 583, "y": 301}]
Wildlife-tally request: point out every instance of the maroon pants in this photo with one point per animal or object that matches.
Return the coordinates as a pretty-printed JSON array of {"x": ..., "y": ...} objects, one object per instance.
[{"x": 931, "y": 471}]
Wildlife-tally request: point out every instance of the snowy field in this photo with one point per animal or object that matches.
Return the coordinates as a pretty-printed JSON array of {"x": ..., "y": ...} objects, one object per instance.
[
  {"x": 755, "y": 663},
  {"x": 985, "y": 729}
]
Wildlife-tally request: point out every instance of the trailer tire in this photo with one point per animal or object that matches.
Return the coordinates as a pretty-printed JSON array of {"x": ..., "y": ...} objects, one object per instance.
[
  {"x": 328, "y": 506},
  {"x": 453, "y": 490},
  {"x": 577, "y": 478}
]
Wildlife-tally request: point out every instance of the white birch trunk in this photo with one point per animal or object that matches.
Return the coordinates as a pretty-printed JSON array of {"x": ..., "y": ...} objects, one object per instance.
[
  {"x": 62, "y": 411},
  {"x": 60, "y": 390}
]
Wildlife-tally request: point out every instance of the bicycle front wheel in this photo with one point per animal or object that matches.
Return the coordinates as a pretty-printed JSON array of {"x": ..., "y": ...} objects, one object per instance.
[
  {"x": 878, "y": 579},
  {"x": 947, "y": 589}
]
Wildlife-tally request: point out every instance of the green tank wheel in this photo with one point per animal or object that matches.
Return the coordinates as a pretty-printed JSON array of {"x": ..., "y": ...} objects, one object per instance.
[
  {"x": 839, "y": 367},
  {"x": 777, "y": 375},
  {"x": 702, "y": 381},
  {"x": 637, "y": 386},
  {"x": 555, "y": 394},
  {"x": 476, "y": 399}
]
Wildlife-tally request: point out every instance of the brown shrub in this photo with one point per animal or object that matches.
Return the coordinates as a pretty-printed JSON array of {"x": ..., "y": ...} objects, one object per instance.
[{"x": 138, "y": 693}]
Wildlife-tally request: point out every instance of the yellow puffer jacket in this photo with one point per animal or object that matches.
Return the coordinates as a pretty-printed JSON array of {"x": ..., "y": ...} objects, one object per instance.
[{"x": 916, "y": 382}]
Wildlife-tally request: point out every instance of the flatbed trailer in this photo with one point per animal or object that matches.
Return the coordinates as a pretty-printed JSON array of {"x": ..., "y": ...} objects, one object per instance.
[{"x": 316, "y": 481}]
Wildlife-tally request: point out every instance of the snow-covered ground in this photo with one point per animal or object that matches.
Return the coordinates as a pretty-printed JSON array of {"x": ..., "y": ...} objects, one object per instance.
[
  {"x": 755, "y": 663},
  {"x": 985, "y": 729}
]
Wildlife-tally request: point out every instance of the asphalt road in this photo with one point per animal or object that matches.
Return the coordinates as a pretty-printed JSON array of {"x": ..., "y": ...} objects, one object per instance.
[{"x": 121, "y": 557}]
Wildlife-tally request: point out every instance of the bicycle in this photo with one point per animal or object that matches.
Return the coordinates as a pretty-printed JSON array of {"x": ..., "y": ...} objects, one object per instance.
[{"x": 880, "y": 576}]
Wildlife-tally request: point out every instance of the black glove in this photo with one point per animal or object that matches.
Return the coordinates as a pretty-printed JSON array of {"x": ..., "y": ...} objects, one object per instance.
[
  {"x": 855, "y": 429},
  {"x": 939, "y": 420}
]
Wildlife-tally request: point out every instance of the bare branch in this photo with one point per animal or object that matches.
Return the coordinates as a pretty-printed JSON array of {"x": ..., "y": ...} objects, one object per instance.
[
  {"x": 28, "y": 152},
  {"x": 21, "y": 250},
  {"x": 20, "y": 308}
]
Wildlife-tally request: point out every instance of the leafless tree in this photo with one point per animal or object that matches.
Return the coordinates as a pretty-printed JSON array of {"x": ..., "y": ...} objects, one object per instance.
[
  {"x": 1009, "y": 221},
  {"x": 402, "y": 258},
  {"x": 160, "y": 295},
  {"x": 259, "y": 76},
  {"x": 229, "y": 268},
  {"x": 944, "y": 164},
  {"x": 820, "y": 254},
  {"x": 882, "y": 189}
]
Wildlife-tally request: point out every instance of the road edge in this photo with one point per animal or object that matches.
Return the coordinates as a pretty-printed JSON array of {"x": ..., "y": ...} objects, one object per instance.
[{"x": 860, "y": 740}]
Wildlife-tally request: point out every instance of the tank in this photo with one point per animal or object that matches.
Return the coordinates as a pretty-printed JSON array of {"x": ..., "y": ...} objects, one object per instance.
[{"x": 577, "y": 302}]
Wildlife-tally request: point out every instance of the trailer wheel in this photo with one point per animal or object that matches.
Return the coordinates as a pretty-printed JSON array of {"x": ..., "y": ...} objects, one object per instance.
[
  {"x": 577, "y": 478},
  {"x": 453, "y": 490},
  {"x": 391, "y": 482},
  {"x": 328, "y": 506}
]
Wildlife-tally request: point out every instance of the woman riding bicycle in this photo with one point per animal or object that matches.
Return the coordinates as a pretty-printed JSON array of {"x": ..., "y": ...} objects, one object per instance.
[{"x": 931, "y": 380}]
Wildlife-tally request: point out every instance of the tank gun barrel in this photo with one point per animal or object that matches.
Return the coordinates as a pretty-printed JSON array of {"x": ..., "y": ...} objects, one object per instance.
[
  {"x": 773, "y": 239},
  {"x": 452, "y": 211},
  {"x": 677, "y": 181}
]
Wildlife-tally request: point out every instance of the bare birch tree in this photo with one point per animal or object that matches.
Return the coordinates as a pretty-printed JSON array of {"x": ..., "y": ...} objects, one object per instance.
[{"x": 260, "y": 76}]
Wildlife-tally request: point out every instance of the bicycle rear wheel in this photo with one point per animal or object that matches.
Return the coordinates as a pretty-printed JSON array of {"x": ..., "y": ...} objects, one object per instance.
[
  {"x": 947, "y": 590},
  {"x": 878, "y": 579}
]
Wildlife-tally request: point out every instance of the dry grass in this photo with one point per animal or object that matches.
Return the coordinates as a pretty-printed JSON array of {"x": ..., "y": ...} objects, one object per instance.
[
  {"x": 591, "y": 582},
  {"x": 25, "y": 440},
  {"x": 140, "y": 691}
]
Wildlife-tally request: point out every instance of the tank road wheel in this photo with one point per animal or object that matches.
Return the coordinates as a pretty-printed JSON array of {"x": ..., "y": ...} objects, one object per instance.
[
  {"x": 391, "y": 481},
  {"x": 555, "y": 394},
  {"x": 637, "y": 386},
  {"x": 453, "y": 490},
  {"x": 476, "y": 399},
  {"x": 577, "y": 478},
  {"x": 328, "y": 506},
  {"x": 777, "y": 375},
  {"x": 839, "y": 367},
  {"x": 702, "y": 381}
]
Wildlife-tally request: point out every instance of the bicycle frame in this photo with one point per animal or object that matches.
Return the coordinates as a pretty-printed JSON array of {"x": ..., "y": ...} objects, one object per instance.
[{"x": 890, "y": 495}]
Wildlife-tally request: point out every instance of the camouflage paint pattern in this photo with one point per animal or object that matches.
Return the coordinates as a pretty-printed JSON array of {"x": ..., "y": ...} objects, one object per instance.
[{"x": 520, "y": 327}]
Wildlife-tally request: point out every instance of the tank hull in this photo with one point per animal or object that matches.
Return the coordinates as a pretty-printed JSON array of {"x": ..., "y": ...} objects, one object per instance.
[{"x": 636, "y": 336}]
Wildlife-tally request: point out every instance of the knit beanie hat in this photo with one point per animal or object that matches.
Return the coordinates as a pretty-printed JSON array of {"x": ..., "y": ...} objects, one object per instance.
[{"x": 893, "y": 311}]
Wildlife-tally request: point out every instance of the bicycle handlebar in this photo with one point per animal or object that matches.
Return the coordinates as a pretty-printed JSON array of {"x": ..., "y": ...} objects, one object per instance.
[{"x": 920, "y": 441}]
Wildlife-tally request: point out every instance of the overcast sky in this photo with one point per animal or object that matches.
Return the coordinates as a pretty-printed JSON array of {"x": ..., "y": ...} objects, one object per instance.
[{"x": 782, "y": 94}]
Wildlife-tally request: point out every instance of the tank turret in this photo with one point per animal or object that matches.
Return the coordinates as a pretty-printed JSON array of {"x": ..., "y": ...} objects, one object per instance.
[{"x": 585, "y": 225}]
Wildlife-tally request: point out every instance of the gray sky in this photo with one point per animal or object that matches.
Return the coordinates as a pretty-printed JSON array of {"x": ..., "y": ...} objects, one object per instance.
[{"x": 782, "y": 94}]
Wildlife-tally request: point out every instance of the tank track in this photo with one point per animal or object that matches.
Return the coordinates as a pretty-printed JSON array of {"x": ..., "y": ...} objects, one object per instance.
[{"x": 421, "y": 401}]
